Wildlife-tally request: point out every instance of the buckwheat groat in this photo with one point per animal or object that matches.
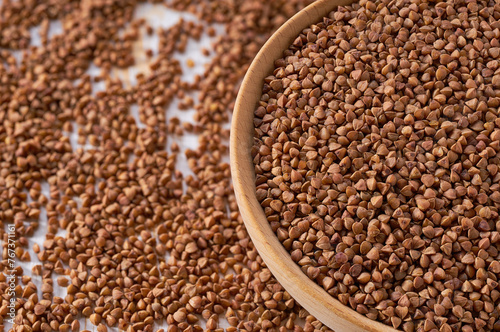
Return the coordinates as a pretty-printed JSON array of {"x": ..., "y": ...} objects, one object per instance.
[{"x": 376, "y": 159}]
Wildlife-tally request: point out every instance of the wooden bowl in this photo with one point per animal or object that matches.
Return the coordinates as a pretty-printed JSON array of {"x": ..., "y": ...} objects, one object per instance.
[{"x": 305, "y": 291}]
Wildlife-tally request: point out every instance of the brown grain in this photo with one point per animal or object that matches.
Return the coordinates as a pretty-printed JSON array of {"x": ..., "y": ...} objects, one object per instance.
[
  {"x": 122, "y": 202},
  {"x": 376, "y": 160}
]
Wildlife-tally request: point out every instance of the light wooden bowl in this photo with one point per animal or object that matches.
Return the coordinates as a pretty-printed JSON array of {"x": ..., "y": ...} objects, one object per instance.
[{"x": 305, "y": 291}]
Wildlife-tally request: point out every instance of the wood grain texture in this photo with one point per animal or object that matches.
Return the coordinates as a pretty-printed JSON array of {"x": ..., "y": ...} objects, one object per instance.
[{"x": 306, "y": 292}]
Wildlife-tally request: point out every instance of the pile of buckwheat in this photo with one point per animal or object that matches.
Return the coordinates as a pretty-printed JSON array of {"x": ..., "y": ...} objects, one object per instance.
[
  {"x": 377, "y": 160},
  {"x": 122, "y": 203}
]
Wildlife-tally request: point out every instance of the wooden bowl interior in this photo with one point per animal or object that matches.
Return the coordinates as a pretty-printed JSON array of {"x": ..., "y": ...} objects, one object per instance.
[{"x": 308, "y": 294}]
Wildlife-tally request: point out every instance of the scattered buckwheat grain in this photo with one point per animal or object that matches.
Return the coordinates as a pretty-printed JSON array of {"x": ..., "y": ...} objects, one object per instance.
[{"x": 121, "y": 201}]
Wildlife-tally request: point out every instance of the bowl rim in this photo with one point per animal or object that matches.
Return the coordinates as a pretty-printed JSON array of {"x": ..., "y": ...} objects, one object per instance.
[{"x": 306, "y": 292}]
